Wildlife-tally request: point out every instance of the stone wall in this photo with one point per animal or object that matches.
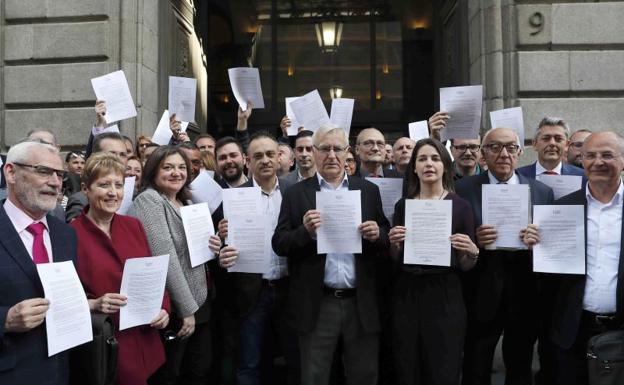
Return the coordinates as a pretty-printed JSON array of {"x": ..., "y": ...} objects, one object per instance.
[
  {"x": 51, "y": 49},
  {"x": 562, "y": 59}
]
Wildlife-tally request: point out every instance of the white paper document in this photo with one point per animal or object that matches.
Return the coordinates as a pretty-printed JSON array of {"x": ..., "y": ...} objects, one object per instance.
[
  {"x": 113, "y": 89},
  {"x": 68, "y": 320},
  {"x": 251, "y": 235},
  {"x": 100, "y": 130},
  {"x": 391, "y": 190},
  {"x": 242, "y": 201},
  {"x": 310, "y": 111},
  {"x": 245, "y": 83},
  {"x": 163, "y": 133},
  {"x": 182, "y": 95},
  {"x": 294, "y": 123},
  {"x": 143, "y": 283},
  {"x": 342, "y": 112},
  {"x": 418, "y": 130},
  {"x": 126, "y": 202},
  {"x": 341, "y": 215},
  {"x": 463, "y": 104},
  {"x": 561, "y": 185},
  {"x": 428, "y": 228},
  {"x": 509, "y": 118},
  {"x": 561, "y": 248},
  {"x": 198, "y": 228},
  {"x": 205, "y": 189},
  {"x": 506, "y": 207}
]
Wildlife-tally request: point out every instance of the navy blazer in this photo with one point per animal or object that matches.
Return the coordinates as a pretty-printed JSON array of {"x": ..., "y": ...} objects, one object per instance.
[
  {"x": 2, "y": 180},
  {"x": 307, "y": 267},
  {"x": 24, "y": 356},
  {"x": 570, "y": 289},
  {"x": 500, "y": 276},
  {"x": 566, "y": 169}
]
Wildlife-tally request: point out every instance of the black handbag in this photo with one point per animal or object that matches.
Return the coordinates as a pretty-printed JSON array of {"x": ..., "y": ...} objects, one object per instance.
[
  {"x": 605, "y": 358},
  {"x": 95, "y": 363}
]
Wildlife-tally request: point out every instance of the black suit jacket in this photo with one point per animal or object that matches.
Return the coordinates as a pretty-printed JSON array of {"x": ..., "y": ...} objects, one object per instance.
[
  {"x": 2, "y": 181},
  {"x": 307, "y": 267},
  {"x": 501, "y": 277},
  {"x": 570, "y": 289},
  {"x": 387, "y": 173},
  {"x": 24, "y": 356}
]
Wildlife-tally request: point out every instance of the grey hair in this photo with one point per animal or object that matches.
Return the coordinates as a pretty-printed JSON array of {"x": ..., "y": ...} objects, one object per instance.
[
  {"x": 489, "y": 132},
  {"x": 552, "y": 121},
  {"x": 20, "y": 153},
  {"x": 329, "y": 128},
  {"x": 32, "y": 132}
]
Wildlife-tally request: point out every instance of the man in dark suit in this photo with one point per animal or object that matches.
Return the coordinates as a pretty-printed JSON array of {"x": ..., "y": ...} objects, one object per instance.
[
  {"x": 332, "y": 296},
  {"x": 590, "y": 304},
  {"x": 550, "y": 141},
  {"x": 304, "y": 157},
  {"x": 2, "y": 180},
  {"x": 34, "y": 174},
  {"x": 260, "y": 300},
  {"x": 371, "y": 149},
  {"x": 501, "y": 291}
]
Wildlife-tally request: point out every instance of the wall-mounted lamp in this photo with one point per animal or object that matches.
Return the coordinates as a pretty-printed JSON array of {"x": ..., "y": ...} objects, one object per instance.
[
  {"x": 290, "y": 70},
  {"x": 335, "y": 92},
  {"x": 328, "y": 34}
]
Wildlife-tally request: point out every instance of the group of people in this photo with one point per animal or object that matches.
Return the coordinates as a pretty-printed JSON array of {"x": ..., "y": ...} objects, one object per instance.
[{"x": 354, "y": 318}]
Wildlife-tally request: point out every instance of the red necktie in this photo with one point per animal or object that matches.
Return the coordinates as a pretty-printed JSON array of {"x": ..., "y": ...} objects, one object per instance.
[
  {"x": 549, "y": 173},
  {"x": 39, "y": 252}
]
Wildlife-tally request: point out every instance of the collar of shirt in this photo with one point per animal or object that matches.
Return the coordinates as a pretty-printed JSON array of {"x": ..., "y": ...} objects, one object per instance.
[
  {"x": 513, "y": 180},
  {"x": 324, "y": 184},
  {"x": 275, "y": 188},
  {"x": 617, "y": 198},
  {"x": 539, "y": 169},
  {"x": 20, "y": 219}
]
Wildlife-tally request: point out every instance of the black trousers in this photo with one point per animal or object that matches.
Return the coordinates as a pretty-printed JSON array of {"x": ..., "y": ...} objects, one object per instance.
[
  {"x": 520, "y": 326},
  {"x": 571, "y": 364},
  {"x": 428, "y": 328}
]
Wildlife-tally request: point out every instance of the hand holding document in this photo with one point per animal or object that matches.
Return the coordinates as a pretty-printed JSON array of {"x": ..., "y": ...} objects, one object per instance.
[
  {"x": 68, "y": 320},
  {"x": 391, "y": 190},
  {"x": 294, "y": 123},
  {"x": 198, "y": 228},
  {"x": 205, "y": 189},
  {"x": 143, "y": 283},
  {"x": 418, "y": 130},
  {"x": 561, "y": 185},
  {"x": 310, "y": 110},
  {"x": 561, "y": 248},
  {"x": 245, "y": 83},
  {"x": 342, "y": 112},
  {"x": 126, "y": 202},
  {"x": 509, "y": 118},
  {"x": 251, "y": 235},
  {"x": 182, "y": 95},
  {"x": 463, "y": 104},
  {"x": 100, "y": 130},
  {"x": 113, "y": 89},
  {"x": 429, "y": 226},
  {"x": 341, "y": 215},
  {"x": 506, "y": 207},
  {"x": 163, "y": 133}
]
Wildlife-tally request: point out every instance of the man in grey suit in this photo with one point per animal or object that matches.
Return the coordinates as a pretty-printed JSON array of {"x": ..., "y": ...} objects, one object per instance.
[
  {"x": 306, "y": 167},
  {"x": 261, "y": 299}
]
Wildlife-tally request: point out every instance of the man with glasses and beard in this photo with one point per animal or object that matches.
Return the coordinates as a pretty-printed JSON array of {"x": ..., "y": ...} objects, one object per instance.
[
  {"x": 573, "y": 150},
  {"x": 467, "y": 155}
]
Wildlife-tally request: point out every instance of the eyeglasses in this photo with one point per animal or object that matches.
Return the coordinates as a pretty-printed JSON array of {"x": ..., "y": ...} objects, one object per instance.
[
  {"x": 464, "y": 147},
  {"x": 497, "y": 148},
  {"x": 325, "y": 150},
  {"x": 576, "y": 144},
  {"x": 44, "y": 171},
  {"x": 605, "y": 156},
  {"x": 371, "y": 143}
]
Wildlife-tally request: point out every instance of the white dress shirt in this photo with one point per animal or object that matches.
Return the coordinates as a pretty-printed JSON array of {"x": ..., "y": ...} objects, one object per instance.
[
  {"x": 339, "y": 267},
  {"x": 21, "y": 221},
  {"x": 271, "y": 203},
  {"x": 604, "y": 232},
  {"x": 513, "y": 180},
  {"x": 539, "y": 169}
]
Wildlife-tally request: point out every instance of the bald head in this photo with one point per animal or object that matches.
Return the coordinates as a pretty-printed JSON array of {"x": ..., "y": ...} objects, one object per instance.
[
  {"x": 402, "y": 150},
  {"x": 371, "y": 148}
]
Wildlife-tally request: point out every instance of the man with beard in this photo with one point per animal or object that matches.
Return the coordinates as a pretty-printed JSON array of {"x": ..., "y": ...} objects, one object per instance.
[
  {"x": 303, "y": 154},
  {"x": 230, "y": 162},
  {"x": 573, "y": 150},
  {"x": 550, "y": 141},
  {"x": 402, "y": 153},
  {"x": 467, "y": 155}
]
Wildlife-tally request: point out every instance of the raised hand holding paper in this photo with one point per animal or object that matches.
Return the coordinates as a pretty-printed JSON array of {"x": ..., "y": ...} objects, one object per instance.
[
  {"x": 310, "y": 110},
  {"x": 342, "y": 112},
  {"x": 100, "y": 130},
  {"x": 463, "y": 104},
  {"x": 245, "y": 83},
  {"x": 418, "y": 130},
  {"x": 509, "y": 118},
  {"x": 113, "y": 89},
  {"x": 294, "y": 123},
  {"x": 163, "y": 133},
  {"x": 182, "y": 95}
]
